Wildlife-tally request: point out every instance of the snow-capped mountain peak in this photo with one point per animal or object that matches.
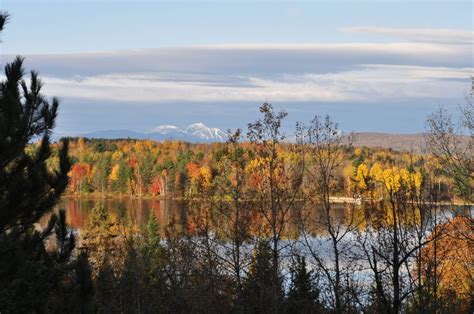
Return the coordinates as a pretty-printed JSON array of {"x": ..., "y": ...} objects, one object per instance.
[
  {"x": 203, "y": 132},
  {"x": 165, "y": 129},
  {"x": 218, "y": 134},
  {"x": 198, "y": 125},
  {"x": 194, "y": 132}
]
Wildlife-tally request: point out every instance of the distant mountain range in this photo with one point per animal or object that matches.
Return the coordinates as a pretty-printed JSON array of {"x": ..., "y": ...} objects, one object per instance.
[
  {"x": 194, "y": 133},
  {"x": 400, "y": 142},
  {"x": 200, "y": 133}
]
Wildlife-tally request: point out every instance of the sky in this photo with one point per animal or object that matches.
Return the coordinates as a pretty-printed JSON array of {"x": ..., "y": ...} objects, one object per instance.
[{"x": 373, "y": 66}]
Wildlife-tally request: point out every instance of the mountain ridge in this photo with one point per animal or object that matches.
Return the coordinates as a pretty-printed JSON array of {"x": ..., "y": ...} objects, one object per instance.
[
  {"x": 200, "y": 133},
  {"x": 193, "y": 133}
]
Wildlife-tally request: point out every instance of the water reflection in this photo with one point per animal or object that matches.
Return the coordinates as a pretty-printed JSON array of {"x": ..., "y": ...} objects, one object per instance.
[
  {"x": 138, "y": 211},
  {"x": 166, "y": 211}
]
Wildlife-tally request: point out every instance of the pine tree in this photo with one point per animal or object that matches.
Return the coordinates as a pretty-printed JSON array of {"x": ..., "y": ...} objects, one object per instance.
[
  {"x": 98, "y": 238},
  {"x": 131, "y": 281},
  {"x": 107, "y": 297},
  {"x": 303, "y": 297},
  {"x": 84, "y": 293},
  {"x": 32, "y": 277},
  {"x": 259, "y": 294},
  {"x": 28, "y": 189},
  {"x": 125, "y": 176},
  {"x": 153, "y": 267}
]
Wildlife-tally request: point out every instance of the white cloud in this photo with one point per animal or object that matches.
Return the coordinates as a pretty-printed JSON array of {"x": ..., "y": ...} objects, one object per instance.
[
  {"x": 370, "y": 83},
  {"x": 328, "y": 72},
  {"x": 433, "y": 35},
  {"x": 251, "y": 59}
]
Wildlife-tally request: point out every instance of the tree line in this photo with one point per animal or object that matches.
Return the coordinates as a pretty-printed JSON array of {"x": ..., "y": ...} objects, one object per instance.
[{"x": 174, "y": 169}]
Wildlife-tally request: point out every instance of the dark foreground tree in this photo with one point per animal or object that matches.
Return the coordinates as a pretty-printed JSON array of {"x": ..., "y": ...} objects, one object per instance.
[
  {"x": 276, "y": 185},
  {"x": 303, "y": 295},
  {"x": 259, "y": 288},
  {"x": 36, "y": 267}
]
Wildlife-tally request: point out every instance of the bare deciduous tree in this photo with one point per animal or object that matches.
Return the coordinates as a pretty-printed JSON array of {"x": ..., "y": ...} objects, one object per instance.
[
  {"x": 277, "y": 182},
  {"x": 324, "y": 151}
]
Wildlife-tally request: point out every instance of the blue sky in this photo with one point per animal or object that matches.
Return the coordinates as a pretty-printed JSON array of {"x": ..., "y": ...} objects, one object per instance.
[{"x": 373, "y": 66}]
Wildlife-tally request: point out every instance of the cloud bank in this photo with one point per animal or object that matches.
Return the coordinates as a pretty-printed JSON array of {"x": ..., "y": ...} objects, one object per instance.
[
  {"x": 340, "y": 72},
  {"x": 367, "y": 84},
  {"x": 445, "y": 36}
]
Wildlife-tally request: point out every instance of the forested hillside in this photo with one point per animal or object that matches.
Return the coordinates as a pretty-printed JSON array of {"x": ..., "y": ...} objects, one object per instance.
[{"x": 145, "y": 168}]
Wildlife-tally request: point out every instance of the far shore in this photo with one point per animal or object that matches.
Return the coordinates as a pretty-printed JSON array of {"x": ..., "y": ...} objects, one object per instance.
[{"x": 332, "y": 199}]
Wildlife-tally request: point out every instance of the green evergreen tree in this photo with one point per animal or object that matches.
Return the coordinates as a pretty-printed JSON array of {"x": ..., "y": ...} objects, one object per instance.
[
  {"x": 131, "y": 282},
  {"x": 102, "y": 174},
  {"x": 259, "y": 285},
  {"x": 107, "y": 296},
  {"x": 303, "y": 296},
  {"x": 84, "y": 294},
  {"x": 152, "y": 263},
  {"x": 98, "y": 238},
  {"x": 125, "y": 176},
  {"x": 33, "y": 278},
  {"x": 146, "y": 171}
]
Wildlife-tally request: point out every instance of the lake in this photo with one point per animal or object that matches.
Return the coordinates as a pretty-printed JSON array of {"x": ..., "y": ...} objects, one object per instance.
[{"x": 166, "y": 211}]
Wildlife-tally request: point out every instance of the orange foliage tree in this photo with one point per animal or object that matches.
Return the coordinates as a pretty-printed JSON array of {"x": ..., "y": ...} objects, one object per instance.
[
  {"x": 448, "y": 262},
  {"x": 78, "y": 176}
]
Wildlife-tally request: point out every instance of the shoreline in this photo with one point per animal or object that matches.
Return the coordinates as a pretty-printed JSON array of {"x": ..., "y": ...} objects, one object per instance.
[{"x": 332, "y": 199}]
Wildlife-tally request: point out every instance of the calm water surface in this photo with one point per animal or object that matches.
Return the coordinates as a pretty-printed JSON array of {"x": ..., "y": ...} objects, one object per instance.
[{"x": 138, "y": 211}]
